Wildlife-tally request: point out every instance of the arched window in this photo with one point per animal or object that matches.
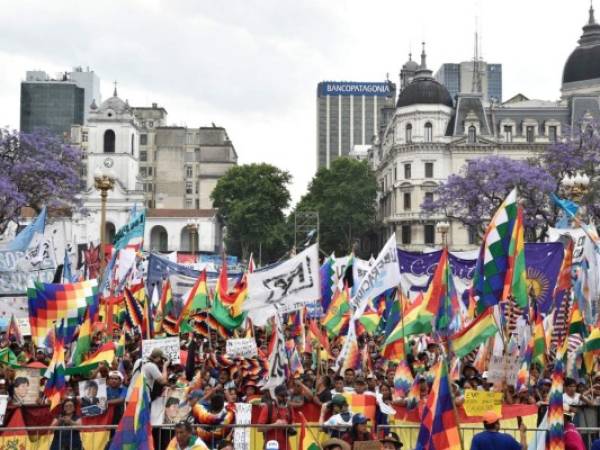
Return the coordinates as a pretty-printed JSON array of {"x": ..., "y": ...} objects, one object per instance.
[
  {"x": 132, "y": 143},
  {"x": 408, "y": 133},
  {"x": 428, "y": 132},
  {"x": 472, "y": 134},
  {"x": 109, "y": 141}
]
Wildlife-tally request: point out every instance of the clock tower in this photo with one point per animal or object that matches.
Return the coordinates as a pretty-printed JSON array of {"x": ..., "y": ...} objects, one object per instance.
[{"x": 113, "y": 149}]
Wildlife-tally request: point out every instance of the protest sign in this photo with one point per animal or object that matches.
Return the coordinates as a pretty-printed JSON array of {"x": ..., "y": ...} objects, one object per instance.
[
  {"x": 283, "y": 287},
  {"x": 176, "y": 406},
  {"x": 26, "y": 387},
  {"x": 245, "y": 347},
  {"x": 503, "y": 368},
  {"x": 241, "y": 435},
  {"x": 170, "y": 346},
  {"x": 479, "y": 402},
  {"x": 367, "y": 445},
  {"x": 93, "y": 397}
]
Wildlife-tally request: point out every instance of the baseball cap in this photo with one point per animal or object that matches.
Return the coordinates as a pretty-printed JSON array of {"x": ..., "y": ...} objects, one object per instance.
[
  {"x": 157, "y": 353},
  {"x": 359, "y": 419},
  {"x": 490, "y": 417},
  {"x": 272, "y": 445},
  {"x": 339, "y": 400}
]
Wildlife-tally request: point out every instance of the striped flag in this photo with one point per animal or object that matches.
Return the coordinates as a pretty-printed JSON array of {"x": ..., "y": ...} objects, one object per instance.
[
  {"x": 478, "y": 331},
  {"x": 56, "y": 385}
]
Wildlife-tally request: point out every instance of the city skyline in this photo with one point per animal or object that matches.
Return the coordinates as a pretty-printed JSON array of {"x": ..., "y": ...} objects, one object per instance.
[{"x": 258, "y": 78}]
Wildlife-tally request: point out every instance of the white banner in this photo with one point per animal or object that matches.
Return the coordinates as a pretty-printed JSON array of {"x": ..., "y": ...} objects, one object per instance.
[
  {"x": 244, "y": 347},
  {"x": 3, "y": 405},
  {"x": 285, "y": 287},
  {"x": 170, "y": 347},
  {"x": 241, "y": 435},
  {"x": 277, "y": 360},
  {"x": 381, "y": 276}
]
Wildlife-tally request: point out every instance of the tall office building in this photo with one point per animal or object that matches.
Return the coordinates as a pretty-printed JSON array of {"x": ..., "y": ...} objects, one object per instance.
[
  {"x": 349, "y": 114},
  {"x": 458, "y": 78},
  {"x": 58, "y": 103}
]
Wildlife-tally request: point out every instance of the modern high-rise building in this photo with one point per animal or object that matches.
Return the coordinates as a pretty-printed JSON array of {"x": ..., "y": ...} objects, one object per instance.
[
  {"x": 58, "y": 103},
  {"x": 458, "y": 79},
  {"x": 350, "y": 113}
]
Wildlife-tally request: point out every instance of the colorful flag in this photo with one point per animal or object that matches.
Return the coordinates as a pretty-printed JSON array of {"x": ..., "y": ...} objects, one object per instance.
[
  {"x": 556, "y": 424},
  {"x": 134, "y": 431},
  {"x": 7, "y": 357},
  {"x": 84, "y": 340},
  {"x": 476, "y": 333},
  {"x": 576, "y": 323},
  {"x": 17, "y": 437},
  {"x": 14, "y": 331},
  {"x": 403, "y": 379},
  {"x": 105, "y": 354},
  {"x": 221, "y": 305},
  {"x": 539, "y": 342},
  {"x": 307, "y": 440},
  {"x": 56, "y": 385},
  {"x": 441, "y": 299},
  {"x": 164, "y": 305},
  {"x": 439, "y": 428},
  {"x": 523, "y": 373},
  {"x": 328, "y": 281},
  {"x": 50, "y": 303},
  {"x": 417, "y": 319},
  {"x": 564, "y": 279},
  {"x": 338, "y": 313},
  {"x": 516, "y": 277},
  {"x": 133, "y": 310},
  {"x": 370, "y": 320},
  {"x": 493, "y": 261},
  {"x": 414, "y": 394},
  {"x": 197, "y": 298}
]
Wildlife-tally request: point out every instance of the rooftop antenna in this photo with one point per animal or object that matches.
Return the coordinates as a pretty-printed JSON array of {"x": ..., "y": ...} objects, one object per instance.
[{"x": 476, "y": 83}]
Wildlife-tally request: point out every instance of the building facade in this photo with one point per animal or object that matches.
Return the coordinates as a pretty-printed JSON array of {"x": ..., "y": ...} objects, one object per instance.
[
  {"x": 57, "y": 104},
  {"x": 350, "y": 114},
  {"x": 431, "y": 136},
  {"x": 459, "y": 78}
]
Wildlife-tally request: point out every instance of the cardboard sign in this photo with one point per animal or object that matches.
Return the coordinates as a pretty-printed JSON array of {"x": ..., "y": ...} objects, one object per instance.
[
  {"x": 176, "y": 406},
  {"x": 169, "y": 346},
  {"x": 27, "y": 387},
  {"x": 478, "y": 402},
  {"x": 241, "y": 435},
  {"x": 245, "y": 347},
  {"x": 367, "y": 445},
  {"x": 503, "y": 368}
]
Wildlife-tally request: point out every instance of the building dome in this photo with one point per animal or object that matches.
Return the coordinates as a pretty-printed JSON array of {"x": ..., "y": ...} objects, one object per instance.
[
  {"x": 410, "y": 65},
  {"x": 584, "y": 62},
  {"x": 424, "y": 90}
]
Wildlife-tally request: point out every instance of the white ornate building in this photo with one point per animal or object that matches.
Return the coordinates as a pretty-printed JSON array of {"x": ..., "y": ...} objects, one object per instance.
[{"x": 432, "y": 135}]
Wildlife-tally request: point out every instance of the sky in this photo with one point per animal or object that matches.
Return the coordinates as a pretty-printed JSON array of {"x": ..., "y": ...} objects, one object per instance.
[{"x": 252, "y": 66}]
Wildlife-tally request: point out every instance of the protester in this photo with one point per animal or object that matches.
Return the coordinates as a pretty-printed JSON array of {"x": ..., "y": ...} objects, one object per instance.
[
  {"x": 335, "y": 444},
  {"x": 66, "y": 439},
  {"x": 359, "y": 430},
  {"x": 185, "y": 440},
  {"x": 492, "y": 439},
  {"x": 390, "y": 442},
  {"x": 278, "y": 412},
  {"x": 572, "y": 438}
]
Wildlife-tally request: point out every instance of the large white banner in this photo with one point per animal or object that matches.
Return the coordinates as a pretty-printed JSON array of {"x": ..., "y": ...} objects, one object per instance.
[
  {"x": 287, "y": 287},
  {"x": 277, "y": 360},
  {"x": 381, "y": 276}
]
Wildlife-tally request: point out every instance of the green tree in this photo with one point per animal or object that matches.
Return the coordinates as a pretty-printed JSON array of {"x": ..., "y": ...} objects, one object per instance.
[
  {"x": 250, "y": 200},
  {"x": 344, "y": 196}
]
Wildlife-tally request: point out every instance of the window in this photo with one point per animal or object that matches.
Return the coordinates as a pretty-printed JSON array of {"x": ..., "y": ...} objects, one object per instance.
[
  {"x": 150, "y": 171},
  {"x": 395, "y": 173},
  {"x": 507, "y": 133},
  {"x": 428, "y": 132},
  {"x": 552, "y": 133},
  {"x": 189, "y": 186},
  {"x": 84, "y": 136},
  {"x": 150, "y": 123},
  {"x": 472, "y": 138},
  {"x": 428, "y": 170},
  {"x": 428, "y": 197},
  {"x": 407, "y": 171},
  {"x": 188, "y": 171},
  {"x": 529, "y": 133},
  {"x": 473, "y": 239},
  {"x": 142, "y": 171},
  {"x": 429, "y": 234},
  {"x": 143, "y": 139},
  {"x": 407, "y": 199},
  {"x": 197, "y": 187},
  {"x": 408, "y": 133},
  {"x": 109, "y": 141},
  {"x": 188, "y": 203},
  {"x": 197, "y": 203},
  {"x": 143, "y": 156},
  {"x": 132, "y": 143},
  {"x": 406, "y": 234}
]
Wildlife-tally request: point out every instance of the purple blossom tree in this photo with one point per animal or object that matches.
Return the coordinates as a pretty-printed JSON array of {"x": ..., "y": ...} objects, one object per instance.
[
  {"x": 471, "y": 196},
  {"x": 37, "y": 169}
]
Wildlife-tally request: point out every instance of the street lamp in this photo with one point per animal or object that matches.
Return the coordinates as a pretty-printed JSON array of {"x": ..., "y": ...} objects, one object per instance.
[
  {"x": 576, "y": 186},
  {"x": 443, "y": 228},
  {"x": 193, "y": 225},
  {"x": 103, "y": 182}
]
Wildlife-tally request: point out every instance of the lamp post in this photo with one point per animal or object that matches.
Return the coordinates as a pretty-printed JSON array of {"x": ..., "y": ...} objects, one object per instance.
[
  {"x": 103, "y": 182},
  {"x": 443, "y": 228},
  {"x": 576, "y": 186}
]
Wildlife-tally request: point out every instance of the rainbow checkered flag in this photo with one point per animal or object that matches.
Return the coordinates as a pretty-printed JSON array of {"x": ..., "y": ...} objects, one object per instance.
[
  {"x": 439, "y": 427},
  {"x": 56, "y": 385},
  {"x": 134, "y": 431},
  {"x": 493, "y": 264}
]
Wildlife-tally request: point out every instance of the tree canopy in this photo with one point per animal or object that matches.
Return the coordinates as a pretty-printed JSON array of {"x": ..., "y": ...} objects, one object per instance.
[
  {"x": 344, "y": 196},
  {"x": 472, "y": 195},
  {"x": 37, "y": 169},
  {"x": 251, "y": 200}
]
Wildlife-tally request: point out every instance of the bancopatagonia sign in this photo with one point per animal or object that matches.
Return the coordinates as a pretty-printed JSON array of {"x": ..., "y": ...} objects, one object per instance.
[{"x": 355, "y": 88}]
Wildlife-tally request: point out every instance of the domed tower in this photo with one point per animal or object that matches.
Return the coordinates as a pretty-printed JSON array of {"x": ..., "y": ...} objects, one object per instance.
[
  {"x": 408, "y": 71},
  {"x": 581, "y": 74}
]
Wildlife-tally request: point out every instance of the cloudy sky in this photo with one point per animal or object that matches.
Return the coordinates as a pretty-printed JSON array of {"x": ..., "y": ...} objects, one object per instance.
[{"x": 252, "y": 66}]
